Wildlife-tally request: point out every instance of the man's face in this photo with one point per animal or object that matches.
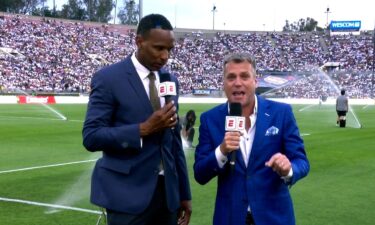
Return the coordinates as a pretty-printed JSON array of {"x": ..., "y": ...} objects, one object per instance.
[
  {"x": 154, "y": 48},
  {"x": 240, "y": 83}
]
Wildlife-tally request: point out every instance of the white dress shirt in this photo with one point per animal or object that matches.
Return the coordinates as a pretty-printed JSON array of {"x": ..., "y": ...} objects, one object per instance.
[{"x": 143, "y": 72}]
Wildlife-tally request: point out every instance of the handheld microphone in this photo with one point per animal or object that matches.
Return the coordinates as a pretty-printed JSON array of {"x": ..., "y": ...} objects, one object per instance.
[
  {"x": 166, "y": 88},
  {"x": 234, "y": 122}
]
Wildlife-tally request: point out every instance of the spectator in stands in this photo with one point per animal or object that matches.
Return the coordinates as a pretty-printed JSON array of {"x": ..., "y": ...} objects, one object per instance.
[
  {"x": 142, "y": 176},
  {"x": 188, "y": 131},
  {"x": 342, "y": 107},
  {"x": 270, "y": 156}
]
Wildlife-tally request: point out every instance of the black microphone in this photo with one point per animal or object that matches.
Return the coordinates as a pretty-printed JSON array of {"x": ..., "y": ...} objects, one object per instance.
[
  {"x": 167, "y": 88},
  {"x": 234, "y": 122}
]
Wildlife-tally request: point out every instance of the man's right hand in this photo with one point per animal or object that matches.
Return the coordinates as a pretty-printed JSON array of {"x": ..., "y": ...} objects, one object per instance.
[
  {"x": 231, "y": 142},
  {"x": 161, "y": 119}
]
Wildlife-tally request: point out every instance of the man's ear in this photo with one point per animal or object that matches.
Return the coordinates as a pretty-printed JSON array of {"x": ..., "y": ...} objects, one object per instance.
[{"x": 138, "y": 40}]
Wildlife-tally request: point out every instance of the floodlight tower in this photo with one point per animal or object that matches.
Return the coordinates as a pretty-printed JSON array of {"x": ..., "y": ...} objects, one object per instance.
[
  {"x": 43, "y": 10},
  {"x": 214, "y": 10},
  {"x": 140, "y": 9},
  {"x": 114, "y": 17},
  {"x": 175, "y": 12},
  {"x": 327, "y": 12},
  {"x": 54, "y": 8}
]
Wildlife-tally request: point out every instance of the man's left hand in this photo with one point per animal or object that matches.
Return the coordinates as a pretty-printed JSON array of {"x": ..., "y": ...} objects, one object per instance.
[
  {"x": 184, "y": 213},
  {"x": 280, "y": 164}
]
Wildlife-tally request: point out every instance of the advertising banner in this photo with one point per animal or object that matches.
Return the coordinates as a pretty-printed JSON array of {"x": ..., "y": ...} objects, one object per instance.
[
  {"x": 345, "y": 26},
  {"x": 23, "y": 99}
]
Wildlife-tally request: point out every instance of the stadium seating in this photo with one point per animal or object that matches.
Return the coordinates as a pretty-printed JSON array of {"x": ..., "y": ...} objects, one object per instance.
[{"x": 60, "y": 56}]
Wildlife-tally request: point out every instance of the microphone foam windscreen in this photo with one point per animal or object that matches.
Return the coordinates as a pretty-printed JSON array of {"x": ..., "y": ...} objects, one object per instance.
[
  {"x": 235, "y": 109},
  {"x": 164, "y": 77}
]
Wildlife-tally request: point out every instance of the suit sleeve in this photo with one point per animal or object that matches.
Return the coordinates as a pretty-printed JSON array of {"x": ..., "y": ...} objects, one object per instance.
[
  {"x": 206, "y": 166},
  {"x": 99, "y": 132},
  {"x": 180, "y": 160},
  {"x": 294, "y": 147}
]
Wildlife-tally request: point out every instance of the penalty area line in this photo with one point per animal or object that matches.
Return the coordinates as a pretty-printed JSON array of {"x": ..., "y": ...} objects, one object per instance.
[
  {"x": 46, "y": 166},
  {"x": 50, "y": 205}
]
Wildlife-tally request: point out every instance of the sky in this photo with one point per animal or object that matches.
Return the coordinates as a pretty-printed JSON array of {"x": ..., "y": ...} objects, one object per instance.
[{"x": 261, "y": 15}]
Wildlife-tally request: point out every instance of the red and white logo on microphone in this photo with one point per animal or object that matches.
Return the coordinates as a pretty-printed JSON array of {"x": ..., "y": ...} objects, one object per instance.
[
  {"x": 234, "y": 123},
  {"x": 167, "y": 88}
]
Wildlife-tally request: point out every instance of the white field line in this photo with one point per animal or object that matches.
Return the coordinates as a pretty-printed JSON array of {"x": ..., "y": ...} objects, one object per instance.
[
  {"x": 28, "y": 117},
  {"x": 305, "y": 134},
  {"x": 50, "y": 205},
  {"x": 46, "y": 166},
  {"x": 37, "y": 118},
  {"x": 80, "y": 121},
  {"x": 364, "y": 107},
  {"x": 306, "y": 107}
]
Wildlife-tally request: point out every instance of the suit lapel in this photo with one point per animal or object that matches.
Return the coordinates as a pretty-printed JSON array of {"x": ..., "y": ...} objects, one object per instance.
[
  {"x": 240, "y": 160},
  {"x": 137, "y": 85},
  {"x": 262, "y": 123}
]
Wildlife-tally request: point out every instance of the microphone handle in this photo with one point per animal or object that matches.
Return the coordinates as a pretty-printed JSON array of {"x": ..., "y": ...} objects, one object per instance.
[
  {"x": 232, "y": 162},
  {"x": 168, "y": 99}
]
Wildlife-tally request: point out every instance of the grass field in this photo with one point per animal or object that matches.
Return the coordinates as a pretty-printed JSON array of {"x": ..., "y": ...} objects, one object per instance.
[{"x": 43, "y": 166}]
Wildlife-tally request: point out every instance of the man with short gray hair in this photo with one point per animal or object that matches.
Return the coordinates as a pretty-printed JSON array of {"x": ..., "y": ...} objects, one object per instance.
[{"x": 255, "y": 166}]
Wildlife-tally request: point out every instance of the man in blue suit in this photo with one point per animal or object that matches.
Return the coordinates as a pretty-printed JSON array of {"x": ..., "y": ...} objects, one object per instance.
[
  {"x": 141, "y": 178},
  {"x": 270, "y": 155}
]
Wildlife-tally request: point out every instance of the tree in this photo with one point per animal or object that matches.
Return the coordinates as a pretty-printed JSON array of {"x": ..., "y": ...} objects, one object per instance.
[
  {"x": 74, "y": 10},
  {"x": 308, "y": 24},
  {"x": 129, "y": 14},
  {"x": 20, "y": 6},
  {"x": 43, "y": 11},
  {"x": 99, "y": 10},
  {"x": 7, "y": 5},
  {"x": 287, "y": 27}
]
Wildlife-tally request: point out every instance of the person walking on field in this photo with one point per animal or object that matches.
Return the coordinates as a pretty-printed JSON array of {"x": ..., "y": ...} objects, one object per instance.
[{"x": 342, "y": 107}]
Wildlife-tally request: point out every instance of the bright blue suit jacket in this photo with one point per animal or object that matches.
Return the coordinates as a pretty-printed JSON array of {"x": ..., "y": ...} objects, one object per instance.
[
  {"x": 125, "y": 177},
  {"x": 256, "y": 186}
]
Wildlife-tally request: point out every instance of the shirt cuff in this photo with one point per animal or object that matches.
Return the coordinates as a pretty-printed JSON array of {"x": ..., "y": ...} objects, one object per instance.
[
  {"x": 288, "y": 177},
  {"x": 220, "y": 157}
]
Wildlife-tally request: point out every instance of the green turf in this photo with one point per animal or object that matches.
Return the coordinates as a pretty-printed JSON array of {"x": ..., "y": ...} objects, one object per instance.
[{"x": 338, "y": 190}]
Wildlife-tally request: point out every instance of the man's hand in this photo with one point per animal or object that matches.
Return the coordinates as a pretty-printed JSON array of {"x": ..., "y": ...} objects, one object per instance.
[
  {"x": 280, "y": 164},
  {"x": 161, "y": 119},
  {"x": 184, "y": 213},
  {"x": 231, "y": 142}
]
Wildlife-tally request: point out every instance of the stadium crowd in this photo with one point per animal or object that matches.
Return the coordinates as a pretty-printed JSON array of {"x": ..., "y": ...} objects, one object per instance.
[{"x": 49, "y": 55}]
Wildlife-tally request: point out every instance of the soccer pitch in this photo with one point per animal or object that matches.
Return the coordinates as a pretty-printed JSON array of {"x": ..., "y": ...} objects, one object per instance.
[{"x": 45, "y": 171}]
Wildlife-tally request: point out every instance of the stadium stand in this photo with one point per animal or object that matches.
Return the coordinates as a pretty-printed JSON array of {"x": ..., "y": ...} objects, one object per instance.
[{"x": 40, "y": 55}]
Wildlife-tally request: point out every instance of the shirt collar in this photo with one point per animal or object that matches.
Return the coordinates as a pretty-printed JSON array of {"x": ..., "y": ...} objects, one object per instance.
[
  {"x": 255, "y": 105},
  {"x": 142, "y": 71}
]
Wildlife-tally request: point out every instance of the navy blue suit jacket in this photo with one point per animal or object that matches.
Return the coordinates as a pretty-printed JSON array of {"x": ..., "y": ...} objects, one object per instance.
[
  {"x": 256, "y": 185},
  {"x": 125, "y": 177}
]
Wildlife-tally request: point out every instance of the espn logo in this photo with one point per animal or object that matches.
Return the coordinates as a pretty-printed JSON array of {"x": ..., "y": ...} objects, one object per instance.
[
  {"x": 167, "y": 88},
  {"x": 234, "y": 123}
]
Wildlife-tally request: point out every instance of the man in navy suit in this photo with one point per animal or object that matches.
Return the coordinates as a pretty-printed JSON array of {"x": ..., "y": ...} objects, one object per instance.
[
  {"x": 270, "y": 155},
  {"x": 141, "y": 178}
]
